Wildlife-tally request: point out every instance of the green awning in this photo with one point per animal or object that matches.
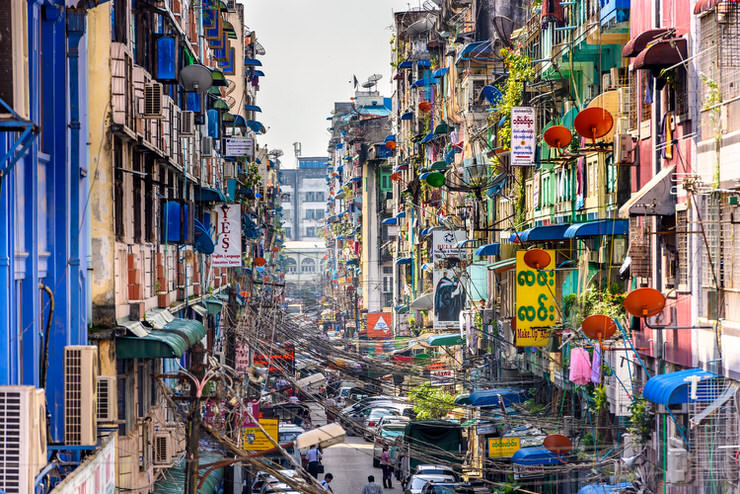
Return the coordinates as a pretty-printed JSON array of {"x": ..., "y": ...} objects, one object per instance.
[
  {"x": 173, "y": 481},
  {"x": 169, "y": 342},
  {"x": 214, "y": 305},
  {"x": 449, "y": 339},
  {"x": 462, "y": 399},
  {"x": 504, "y": 265}
]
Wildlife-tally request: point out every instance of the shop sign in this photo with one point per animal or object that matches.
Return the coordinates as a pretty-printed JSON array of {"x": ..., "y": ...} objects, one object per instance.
[
  {"x": 503, "y": 447},
  {"x": 522, "y": 136},
  {"x": 252, "y": 410},
  {"x": 526, "y": 471},
  {"x": 535, "y": 302},
  {"x": 449, "y": 292},
  {"x": 237, "y": 147},
  {"x": 442, "y": 377},
  {"x": 484, "y": 429},
  {"x": 255, "y": 440},
  {"x": 228, "y": 249},
  {"x": 96, "y": 474}
]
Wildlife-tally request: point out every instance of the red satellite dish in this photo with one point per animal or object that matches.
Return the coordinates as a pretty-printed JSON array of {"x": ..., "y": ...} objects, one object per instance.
[
  {"x": 537, "y": 258},
  {"x": 558, "y": 136},
  {"x": 395, "y": 176},
  {"x": 259, "y": 261},
  {"x": 391, "y": 145},
  {"x": 558, "y": 444},
  {"x": 425, "y": 106},
  {"x": 593, "y": 122},
  {"x": 598, "y": 327},
  {"x": 644, "y": 302}
]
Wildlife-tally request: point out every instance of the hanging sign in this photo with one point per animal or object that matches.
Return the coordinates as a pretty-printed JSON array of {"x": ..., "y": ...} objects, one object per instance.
[
  {"x": 522, "y": 136},
  {"x": 228, "y": 249},
  {"x": 535, "y": 301},
  {"x": 255, "y": 440},
  {"x": 449, "y": 292},
  {"x": 503, "y": 447},
  {"x": 442, "y": 377},
  {"x": 237, "y": 146}
]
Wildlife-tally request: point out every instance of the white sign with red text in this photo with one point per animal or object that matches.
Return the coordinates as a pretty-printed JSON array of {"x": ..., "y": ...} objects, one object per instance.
[
  {"x": 522, "y": 136},
  {"x": 228, "y": 250},
  {"x": 442, "y": 377}
]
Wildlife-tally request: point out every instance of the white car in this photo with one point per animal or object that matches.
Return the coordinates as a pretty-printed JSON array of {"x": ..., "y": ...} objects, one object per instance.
[
  {"x": 372, "y": 419},
  {"x": 417, "y": 482}
]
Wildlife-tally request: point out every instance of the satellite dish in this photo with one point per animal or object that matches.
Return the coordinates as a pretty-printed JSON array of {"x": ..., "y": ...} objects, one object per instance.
[
  {"x": 375, "y": 77},
  {"x": 257, "y": 374},
  {"x": 503, "y": 27},
  {"x": 558, "y": 444},
  {"x": 598, "y": 327},
  {"x": 196, "y": 78},
  {"x": 368, "y": 84},
  {"x": 537, "y": 258},
  {"x": 492, "y": 94},
  {"x": 593, "y": 123},
  {"x": 259, "y": 49},
  {"x": 644, "y": 302},
  {"x": 558, "y": 136}
]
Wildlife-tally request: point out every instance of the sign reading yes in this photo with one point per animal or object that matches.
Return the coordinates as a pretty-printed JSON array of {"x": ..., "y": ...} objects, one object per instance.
[{"x": 535, "y": 301}]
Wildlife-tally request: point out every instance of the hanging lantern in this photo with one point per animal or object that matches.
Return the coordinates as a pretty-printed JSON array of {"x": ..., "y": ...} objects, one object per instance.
[
  {"x": 391, "y": 145},
  {"x": 425, "y": 106},
  {"x": 259, "y": 261}
]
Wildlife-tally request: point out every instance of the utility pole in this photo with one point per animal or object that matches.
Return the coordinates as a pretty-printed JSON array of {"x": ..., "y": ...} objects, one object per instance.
[{"x": 193, "y": 427}]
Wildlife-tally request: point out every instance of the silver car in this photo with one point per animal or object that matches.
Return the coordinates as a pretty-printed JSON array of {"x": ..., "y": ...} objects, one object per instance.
[{"x": 417, "y": 482}]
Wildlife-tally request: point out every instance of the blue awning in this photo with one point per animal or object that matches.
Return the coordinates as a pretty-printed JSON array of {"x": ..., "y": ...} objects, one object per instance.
[
  {"x": 203, "y": 241},
  {"x": 481, "y": 51},
  {"x": 596, "y": 228},
  {"x": 256, "y": 126},
  {"x": 424, "y": 232},
  {"x": 406, "y": 64},
  {"x": 258, "y": 73},
  {"x": 355, "y": 179},
  {"x": 422, "y": 83},
  {"x": 429, "y": 137},
  {"x": 490, "y": 397},
  {"x": 605, "y": 488},
  {"x": 439, "y": 73},
  {"x": 252, "y": 108},
  {"x": 424, "y": 63},
  {"x": 389, "y": 221},
  {"x": 407, "y": 116},
  {"x": 673, "y": 388},
  {"x": 252, "y": 62},
  {"x": 401, "y": 214},
  {"x": 374, "y": 111},
  {"x": 547, "y": 233},
  {"x": 535, "y": 456},
  {"x": 403, "y": 260},
  {"x": 210, "y": 194},
  {"x": 493, "y": 249}
]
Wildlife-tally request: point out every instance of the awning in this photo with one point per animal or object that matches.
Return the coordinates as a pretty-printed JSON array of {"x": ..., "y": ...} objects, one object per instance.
[
  {"x": 605, "y": 488},
  {"x": 214, "y": 305},
  {"x": 490, "y": 397},
  {"x": 407, "y": 116},
  {"x": 481, "y": 51},
  {"x": 535, "y": 456},
  {"x": 256, "y": 126},
  {"x": 639, "y": 42},
  {"x": 258, "y": 73},
  {"x": 403, "y": 260},
  {"x": 252, "y": 62},
  {"x": 462, "y": 399},
  {"x": 406, "y": 64},
  {"x": 209, "y": 194},
  {"x": 597, "y": 228},
  {"x": 661, "y": 55},
  {"x": 401, "y": 214},
  {"x": 169, "y": 342},
  {"x": 493, "y": 249},
  {"x": 422, "y": 83},
  {"x": 449, "y": 339},
  {"x": 547, "y": 233},
  {"x": 654, "y": 198},
  {"x": 428, "y": 137},
  {"x": 704, "y": 5},
  {"x": 502, "y": 266},
  {"x": 252, "y": 108},
  {"x": 673, "y": 388},
  {"x": 439, "y": 73},
  {"x": 199, "y": 309},
  {"x": 423, "y": 302},
  {"x": 389, "y": 221},
  {"x": 424, "y": 63}
]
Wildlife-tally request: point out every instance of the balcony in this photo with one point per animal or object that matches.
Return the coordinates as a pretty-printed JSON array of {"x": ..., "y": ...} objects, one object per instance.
[{"x": 614, "y": 13}]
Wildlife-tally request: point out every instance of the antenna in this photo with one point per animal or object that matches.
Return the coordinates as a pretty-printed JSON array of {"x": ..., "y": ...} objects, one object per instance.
[{"x": 297, "y": 149}]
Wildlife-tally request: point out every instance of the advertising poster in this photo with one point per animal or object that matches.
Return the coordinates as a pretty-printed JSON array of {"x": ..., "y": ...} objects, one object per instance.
[
  {"x": 442, "y": 377},
  {"x": 522, "y": 136},
  {"x": 228, "y": 249},
  {"x": 449, "y": 293},
  {"x": 378, "y": 330},
  {"x": 255, "y": 440},
  {"x": 535, "y": 302},
  {"x": 238, "y": 147},
  {"x": 503, "y": 447}
]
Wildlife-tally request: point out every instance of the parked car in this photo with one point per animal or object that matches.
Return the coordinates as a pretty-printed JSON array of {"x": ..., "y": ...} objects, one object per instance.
[
  {"x": 386, "y": 436},
  {"x": 417, "y": 482},
  {"x": 353, "y": 420},
  {"x": 427, "y": 469},
  {"x": 447, "y": 488},
  {"x": 372, "y": 419},
  {"x": 259, "y": 480}
]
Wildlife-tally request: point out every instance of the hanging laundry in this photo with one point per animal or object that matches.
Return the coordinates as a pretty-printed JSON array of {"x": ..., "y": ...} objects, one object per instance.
[
  {"x": 666, "y": 136},
  {"x": 596, "y": 365},
  {"x": 580, "y": 366},
  {"x": 581, "y": 178}
]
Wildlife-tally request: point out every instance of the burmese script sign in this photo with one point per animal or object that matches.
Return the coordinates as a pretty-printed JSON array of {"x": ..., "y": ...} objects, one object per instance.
[
  {"x": 535, "y": 301},
  {"x": 503, "y": 447},
  {"x": 522, "y": 136}
]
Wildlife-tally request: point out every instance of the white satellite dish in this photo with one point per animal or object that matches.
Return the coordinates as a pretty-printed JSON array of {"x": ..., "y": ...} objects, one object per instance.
[{"x": 375, "y": 77}]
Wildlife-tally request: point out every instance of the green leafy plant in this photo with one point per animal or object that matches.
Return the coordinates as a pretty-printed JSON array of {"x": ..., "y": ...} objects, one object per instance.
[
  {"x": 431, "y": 402},
  {"x": 641, "y": 420}
]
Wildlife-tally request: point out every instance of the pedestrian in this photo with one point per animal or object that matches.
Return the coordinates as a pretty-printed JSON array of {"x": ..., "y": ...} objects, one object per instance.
[
  {"x": 306, "y": 424},
  {"x": 385, "y": 464},
  {"x": 328, "y": 477},
  {"x": 313, "y": 456},
  {"x": 371, "y": 487}
]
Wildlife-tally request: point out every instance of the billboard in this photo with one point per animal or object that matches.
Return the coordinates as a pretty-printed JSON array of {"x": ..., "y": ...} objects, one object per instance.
[
  {"x": 378, "y": 329},
  {"x": 449, "y": 292},
  {"x": 255, "y": 440},
  {"x": 522, "y": 136},
  {"x": 503, "y": 447},
  {"x": 535, "y": 301},
  {"x": 228, "y": 249},
  {"x": 280, "y": 360}
]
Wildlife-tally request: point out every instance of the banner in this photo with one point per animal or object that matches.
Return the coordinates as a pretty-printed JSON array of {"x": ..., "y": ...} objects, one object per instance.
[
  {"x": 228, "y": 248},
  {"x": 239, "y": 146},
  {"x": 503, "y": 447},
  {"x": 253, "y": 439},
  {"x": 449, "y": 293},
  {"x": 535, "y": 302},
  {"x": 522, "y": 136}
]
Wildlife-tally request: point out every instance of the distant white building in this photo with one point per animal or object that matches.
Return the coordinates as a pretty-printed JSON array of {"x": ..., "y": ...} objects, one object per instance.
[
  {"x": 303, "y": 198},
  {"x": 305, "y": 265}
]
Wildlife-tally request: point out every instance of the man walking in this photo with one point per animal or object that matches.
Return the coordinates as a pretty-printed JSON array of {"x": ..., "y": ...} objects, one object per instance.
[
  {"x": 385, "y": 464},
  {"x": 371, "y": 487},
  {"x": 313, "y": 456},
  {"x": 327, "y": 480}
]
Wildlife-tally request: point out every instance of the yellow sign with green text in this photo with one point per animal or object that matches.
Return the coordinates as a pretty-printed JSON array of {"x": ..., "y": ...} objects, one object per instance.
[
  {"x": 535, "y": 301},
  {"x": 503, "y": 447},
  {"x": 253, "y": 439}
]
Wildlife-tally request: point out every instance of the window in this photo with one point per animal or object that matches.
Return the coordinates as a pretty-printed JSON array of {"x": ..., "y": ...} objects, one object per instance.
[
  {"x": 290, "y": 265},
  {"x": 647, "y": 92},
  {"x": 309, "y": 214},
  {"x": 319, "y": 196},
  {"x": 309, "y": 197},
  {"x": 385, "y": 181},
  {"x": 119, "y": 31},
  {"x": 118, "y": 187},
  {"x": 136, "y": 196},
  {"x": 678, "y": 93},
  {"x": 308, "y": 265},
  {"x": 288, "y": 233},
  {"x": 125, "y": 391},
  {"x": 310, "y": 231},
  {"x": 285, "y": 197},
  {"x": 318, "y": 214}
]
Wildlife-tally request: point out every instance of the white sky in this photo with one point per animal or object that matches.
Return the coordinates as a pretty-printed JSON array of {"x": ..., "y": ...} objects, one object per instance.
[{"x": 314, "y": 47}]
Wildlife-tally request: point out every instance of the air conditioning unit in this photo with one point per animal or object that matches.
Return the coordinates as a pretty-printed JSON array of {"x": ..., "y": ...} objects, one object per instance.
[
  {"x": 623, "y": 147},
  {"x": 80, "y": 404},
  {"x": 153, "y": 97},
  {"x": 106, "y": 396},
  {"x": 22, "y": 437},
  {"x": 625, "y": 100},
  {"x": 678, "y": 464},
  {"x": 14, "y": 57},
  {"x": 163, "y": 449},
  {"x": 631, "y": 445},
  {"x": 187, "y": 123},
  {"x": 618, "y": 76},
  {"x": 231, "y": 5},
  {"x": 592, "y": 91},
  {"x": 206, "y": 147},
  {"x": 606, "y": 81}
]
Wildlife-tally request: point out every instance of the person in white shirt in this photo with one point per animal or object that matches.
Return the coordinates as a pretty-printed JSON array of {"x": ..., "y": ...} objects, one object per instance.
[
  {"x": 313, "y": 456},
  {"x": 371, "y": 487},
  {"x": 328, "y": 477}
]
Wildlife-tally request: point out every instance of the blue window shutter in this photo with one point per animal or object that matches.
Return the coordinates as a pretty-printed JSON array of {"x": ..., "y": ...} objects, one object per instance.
[{"x": 166, "y": 58}]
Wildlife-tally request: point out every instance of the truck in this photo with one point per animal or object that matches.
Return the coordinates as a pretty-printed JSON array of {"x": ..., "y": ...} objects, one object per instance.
[{"x": 430, "y": 441}]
